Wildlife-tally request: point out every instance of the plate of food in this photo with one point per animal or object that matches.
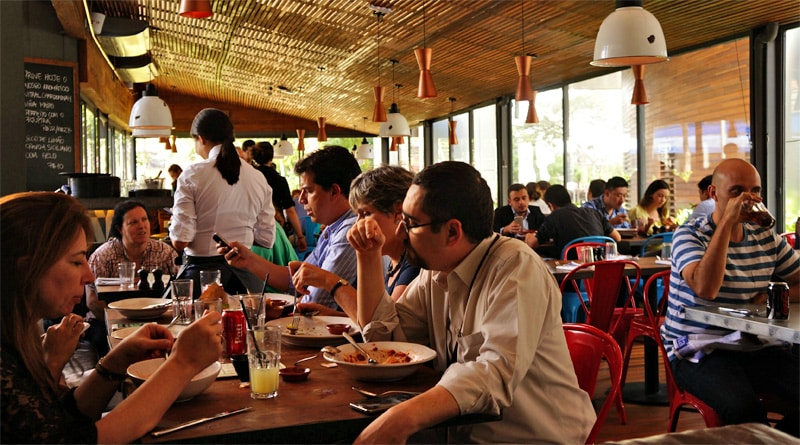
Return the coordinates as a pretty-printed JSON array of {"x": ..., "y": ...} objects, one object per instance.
[
  {"x": 141, "y": 308},
  {"x": 313, "y": 331},
  {"x": 396, "y": 360}
]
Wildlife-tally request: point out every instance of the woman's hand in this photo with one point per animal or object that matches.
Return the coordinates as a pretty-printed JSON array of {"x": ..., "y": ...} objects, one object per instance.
[
  {"x": 366, "y": 236},
  {"x": 305, "y": 275},
  {"x": 60, "y": 342},
  {"x": 200, "y": 343},
  {"x": 149, "y": 341}
]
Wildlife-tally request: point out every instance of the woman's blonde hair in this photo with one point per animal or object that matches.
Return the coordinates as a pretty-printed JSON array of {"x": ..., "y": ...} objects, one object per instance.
[{"x": 36, "y": 229}]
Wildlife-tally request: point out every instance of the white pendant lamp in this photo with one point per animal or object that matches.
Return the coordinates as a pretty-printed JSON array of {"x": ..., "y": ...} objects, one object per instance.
[
  {"x": 629, "y": 36},
  {"x": 143, "y": 133},
  {"x": 150, "y": 113},
  {"x": 364, "y": 151},
  {"x": 284, "y": 148},
  {"x": 396, "y": 124}
]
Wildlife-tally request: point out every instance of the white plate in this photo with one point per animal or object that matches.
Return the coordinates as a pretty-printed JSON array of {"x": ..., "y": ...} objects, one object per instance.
[
  {"x": 142, "y": 308},
  {"x": 120, "y": 334},
  {"x": 419, "y": 354},
  {"x": 312, "y": 332}
]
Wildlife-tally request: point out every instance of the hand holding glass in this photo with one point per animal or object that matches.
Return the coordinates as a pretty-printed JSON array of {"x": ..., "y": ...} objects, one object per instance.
[{"x": 182, "y": 292}]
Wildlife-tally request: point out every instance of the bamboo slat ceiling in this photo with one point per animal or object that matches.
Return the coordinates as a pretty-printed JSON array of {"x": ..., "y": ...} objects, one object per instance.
[{"x": 267, "y": 54}]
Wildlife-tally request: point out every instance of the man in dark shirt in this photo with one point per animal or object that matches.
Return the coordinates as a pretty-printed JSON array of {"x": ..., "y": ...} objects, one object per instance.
[
  {"x": 567, "y": 222},
  {"x": 262, "y": 154},
  {"x": 516, "y": 218}
]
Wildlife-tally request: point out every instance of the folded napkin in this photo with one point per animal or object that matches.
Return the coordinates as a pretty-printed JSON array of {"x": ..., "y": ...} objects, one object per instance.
[
  {"x": 664, "y": 262},
  {"x": 108, "y": 282},
  {"x": 569, "y": 266}
]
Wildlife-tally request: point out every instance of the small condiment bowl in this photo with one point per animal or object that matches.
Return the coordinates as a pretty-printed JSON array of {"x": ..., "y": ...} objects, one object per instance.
[
  {"x": 295, "y": 374},
  {"x": 338, "y": 328}
]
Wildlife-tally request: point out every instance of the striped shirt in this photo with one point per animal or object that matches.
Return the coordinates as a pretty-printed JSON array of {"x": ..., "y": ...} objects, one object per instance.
[{"x": 750, "y": 266}]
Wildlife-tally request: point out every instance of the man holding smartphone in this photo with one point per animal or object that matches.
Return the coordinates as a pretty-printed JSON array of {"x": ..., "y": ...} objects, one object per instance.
[
  {"x": 486, "y": 304},
  {"x": 325, "y": 177}
]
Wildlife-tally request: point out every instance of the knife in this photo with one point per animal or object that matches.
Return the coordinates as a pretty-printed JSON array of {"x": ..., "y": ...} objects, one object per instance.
[{"x": 199, "y": 421}]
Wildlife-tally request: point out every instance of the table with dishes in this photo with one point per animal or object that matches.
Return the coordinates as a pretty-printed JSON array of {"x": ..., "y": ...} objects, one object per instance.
[
  {"x": 314, "y": 409},
  {"x": 750, "y": 319}
]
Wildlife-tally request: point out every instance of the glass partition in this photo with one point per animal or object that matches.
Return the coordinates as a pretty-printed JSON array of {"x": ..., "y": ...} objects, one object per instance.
[{"x": 791, "y": 124}]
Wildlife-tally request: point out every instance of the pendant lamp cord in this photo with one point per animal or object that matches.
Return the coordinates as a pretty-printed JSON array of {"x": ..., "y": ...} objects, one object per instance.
[
  {"x": 522, "y": 13},
  {"x": 423, "y": 24}
]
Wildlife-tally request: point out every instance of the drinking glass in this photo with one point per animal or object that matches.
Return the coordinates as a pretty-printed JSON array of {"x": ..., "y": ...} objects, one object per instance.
[
  {"x": 253, "y": 307},
  {"x": 759, "y": 214},
  {"x": 585, "y": 254},
  {"x": 201, "y": 306},
  {"x": 127, "y": 273},
  {"x": 209, "y": 276},
  {"x": 264, "y": 355},
  {"x": 182, "y": 291},
  {"x": 666, "y": 251},
  {"x": 611, "y": 250}
]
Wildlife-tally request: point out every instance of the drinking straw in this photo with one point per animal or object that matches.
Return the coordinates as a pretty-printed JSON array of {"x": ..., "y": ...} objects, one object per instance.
[{"x": 250, "y": 328}]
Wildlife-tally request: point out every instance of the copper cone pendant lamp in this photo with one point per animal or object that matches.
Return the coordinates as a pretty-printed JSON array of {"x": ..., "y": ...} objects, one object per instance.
[
  {"x": 639, "y": 94},
  {"x": 196, "y": 9},
  {"x": 174, "y": 147},
  {"x": 452, "y": 138},
  {"x": 424, "y": 56},
  {"x": 524, "y": 91},
  {"x": 396, "y": 141},
  {"x": 301, "y": 145},
  {"x": 379, "y": 113},
  {"x": 321, "y": 135},
  {"x": 532, "y": 117}
]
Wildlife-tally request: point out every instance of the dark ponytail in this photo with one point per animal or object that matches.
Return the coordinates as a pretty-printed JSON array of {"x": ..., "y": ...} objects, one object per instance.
[{"x": 214, "y": 125}]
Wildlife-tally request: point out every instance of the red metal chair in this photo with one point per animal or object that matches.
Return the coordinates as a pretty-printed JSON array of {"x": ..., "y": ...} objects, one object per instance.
[
  {"x": 602, "y": 289},
  {"x": 790, "y": 238},
  {"x": 570, "y": 304},
  {"x": 588, "y": 347},
  {"x": 649, "y": 324}
]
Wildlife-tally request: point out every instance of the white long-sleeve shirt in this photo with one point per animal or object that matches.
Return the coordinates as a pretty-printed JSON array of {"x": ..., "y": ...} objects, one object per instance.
[
  {"x": 512, "y": 354},
  {"x": 205, "y": 203}
]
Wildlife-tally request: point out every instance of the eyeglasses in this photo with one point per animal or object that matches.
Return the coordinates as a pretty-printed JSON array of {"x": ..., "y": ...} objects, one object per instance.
[{"x": 408, "y": 225}]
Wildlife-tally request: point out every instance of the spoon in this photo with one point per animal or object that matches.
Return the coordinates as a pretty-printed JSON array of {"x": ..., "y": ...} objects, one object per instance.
[
  {"x": 366, "y": 393},
  {"x": 328, "y": 349},
  {"x": 370, "y": 360}
]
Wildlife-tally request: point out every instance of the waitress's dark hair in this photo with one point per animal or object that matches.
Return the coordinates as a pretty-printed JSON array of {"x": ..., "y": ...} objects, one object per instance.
[
  {"x": 215, "y": 126},
  {"x": 119, "y": 216}
]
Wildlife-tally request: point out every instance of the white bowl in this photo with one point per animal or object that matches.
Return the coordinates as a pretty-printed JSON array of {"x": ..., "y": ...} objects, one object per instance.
[
  {"x": 141, "y": 308},
  {"x": 379, "y": 350},
  {"x": 141, "y": 371}
]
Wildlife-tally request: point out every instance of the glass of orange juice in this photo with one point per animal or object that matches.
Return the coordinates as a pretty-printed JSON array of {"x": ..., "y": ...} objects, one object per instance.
[{"x": 264, "y": 357}]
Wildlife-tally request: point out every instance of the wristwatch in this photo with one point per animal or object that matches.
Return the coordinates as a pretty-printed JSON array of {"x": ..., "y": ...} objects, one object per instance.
[{"x": 340, "y": 283}]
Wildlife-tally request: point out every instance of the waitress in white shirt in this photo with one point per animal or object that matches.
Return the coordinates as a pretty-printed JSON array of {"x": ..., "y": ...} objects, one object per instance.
[{"x": 220, "y": 194}]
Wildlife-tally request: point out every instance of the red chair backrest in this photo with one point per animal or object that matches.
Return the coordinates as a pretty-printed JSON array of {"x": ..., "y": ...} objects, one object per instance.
[
  {"x": 603, "y": 289},
  {"x": 654, "y": 318},
  {"x": 576, "y": 246},
  {"x": 790, "y": 238},
  {"x": 588, "y": 346}
]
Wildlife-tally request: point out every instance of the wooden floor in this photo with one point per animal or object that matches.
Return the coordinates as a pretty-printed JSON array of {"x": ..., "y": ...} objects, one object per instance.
[{"x": 643, "y": 420}]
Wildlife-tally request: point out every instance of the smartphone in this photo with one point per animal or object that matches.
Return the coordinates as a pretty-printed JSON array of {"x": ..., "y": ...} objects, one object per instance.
[
  {"x": 220, "y": 240},
  {"x": 377, "y": 405}
]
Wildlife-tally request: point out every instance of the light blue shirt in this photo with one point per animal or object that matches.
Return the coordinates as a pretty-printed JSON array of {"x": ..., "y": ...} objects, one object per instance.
[{"x": 704, "y": 209}]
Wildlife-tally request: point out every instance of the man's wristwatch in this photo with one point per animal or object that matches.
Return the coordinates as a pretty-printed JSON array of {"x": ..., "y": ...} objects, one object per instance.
[{"x": 340, "y": 283}]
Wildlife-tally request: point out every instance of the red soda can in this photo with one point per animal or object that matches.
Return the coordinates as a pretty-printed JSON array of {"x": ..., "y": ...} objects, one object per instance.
[
  {"x": 234, "y": 331},
  {"x": 778, "y": 301}
]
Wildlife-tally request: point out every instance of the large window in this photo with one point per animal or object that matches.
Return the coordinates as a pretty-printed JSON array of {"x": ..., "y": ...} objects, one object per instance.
[
  {"x": 791, "y": 125},
  {"x": 537, "y": 150},
  {"x": 698, "y": 115},
  {"x": 601, "y": 141},
  {"x": 485, "y": 141},
  {"x": 441, "y": 144}
]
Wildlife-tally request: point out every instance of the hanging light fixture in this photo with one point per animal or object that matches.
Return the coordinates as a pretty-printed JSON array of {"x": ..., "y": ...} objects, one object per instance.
[
  {"x": 523, "y": 63},
  {"x": 396, "y": 124},
  {"x": 379, "y": 113},
  {"x": 424, "y": 56},
  {"x": 630, "y": 36},
  {"x": 451, "y": 135},
  {"x": 396, "y": 142},
  {"x": 301, "y": 145},
  {"x": 532, "y": 117},
  {"x": 196, "y": 9},
  {"x": 284, "y": 148},
  {"x": 142, "y": 133},
  {"x": 364, "y": 151},
  {"x": 322, "y": 136},
  {"x": 174, "y": 145},
  {"x": 150, "y": 113}
]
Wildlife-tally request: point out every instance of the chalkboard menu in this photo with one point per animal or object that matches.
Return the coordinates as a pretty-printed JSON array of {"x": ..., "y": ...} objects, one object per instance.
[{"x": 51, "y": 109}]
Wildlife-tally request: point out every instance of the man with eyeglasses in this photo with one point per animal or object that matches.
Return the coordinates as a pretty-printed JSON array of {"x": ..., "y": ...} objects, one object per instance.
[
  {"x": 610, "y": 204},
  {"x": 489, "y": 307}
]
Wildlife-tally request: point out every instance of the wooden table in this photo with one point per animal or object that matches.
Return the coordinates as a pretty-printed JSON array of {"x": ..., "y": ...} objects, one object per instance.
[
  {"x": 631, "y": 246},
  {"x": 787, "y": 330},
  {"x": 648, "y": 265},
  {"x": 314, "y": 411}
]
